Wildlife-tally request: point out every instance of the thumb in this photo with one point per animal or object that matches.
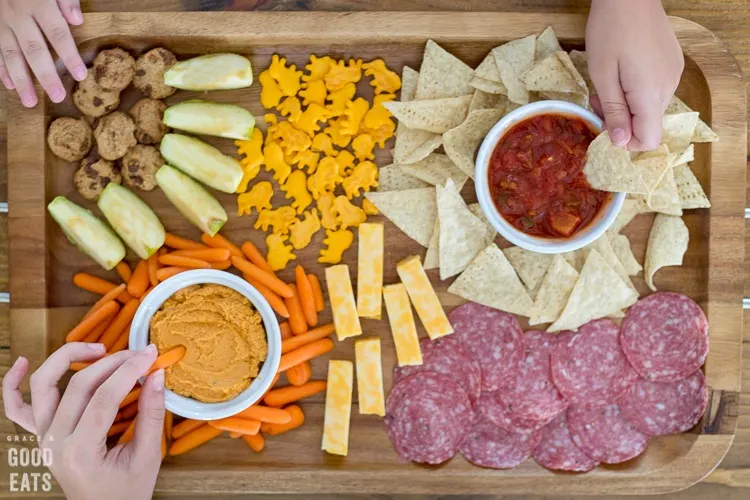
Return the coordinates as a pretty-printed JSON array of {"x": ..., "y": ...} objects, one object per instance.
[
  {"x": 71, "y": 11},
  {"x": 150, "y": 422},
  {"x": 614, "y": 106}
]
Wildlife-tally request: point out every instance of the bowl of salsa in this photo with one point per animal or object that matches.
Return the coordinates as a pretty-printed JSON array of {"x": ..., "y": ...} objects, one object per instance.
[{"x": 530, "y": 182}]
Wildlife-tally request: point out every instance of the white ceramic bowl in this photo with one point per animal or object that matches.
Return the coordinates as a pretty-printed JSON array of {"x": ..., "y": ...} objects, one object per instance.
[
  {"x": 591, "y": 232},
  {"x": 191, "y": 408}
]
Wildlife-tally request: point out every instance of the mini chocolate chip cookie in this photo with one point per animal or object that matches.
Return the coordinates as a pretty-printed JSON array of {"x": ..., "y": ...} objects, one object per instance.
[
  {"x": 148, "y": 115},
  {"x": 113, "y": 69},
  {"x": 114, "y": 135},
  {"x": 139, "y": 166},
  {"x": 149, "y": 73},
  {"x": 69, "y": 139},
  {"x": 92, "y": 100},
  {"x": 94, "y": 175}
]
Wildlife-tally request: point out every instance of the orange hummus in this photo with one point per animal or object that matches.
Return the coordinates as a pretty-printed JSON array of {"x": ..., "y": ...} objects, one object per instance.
[{"x": 224, "y": 339}]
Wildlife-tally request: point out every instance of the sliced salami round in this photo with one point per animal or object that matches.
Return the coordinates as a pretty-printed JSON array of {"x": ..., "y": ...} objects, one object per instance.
[
  {"x": 532, "y": 395},
  {"x": 589, "y": 367},
  {"x": 665, "y": 336},
  {"x": 488, "y": 445},
  {"x": 557, "y": 451},
  {"x": 603, "y": 434},
  {"x": 496, "y": 410},
  {"x": 448, "y": 356},
  {"x": 427, "y": 416},
  {"x": 662, "y": 408},
  {"x": 493, "y": 337}
]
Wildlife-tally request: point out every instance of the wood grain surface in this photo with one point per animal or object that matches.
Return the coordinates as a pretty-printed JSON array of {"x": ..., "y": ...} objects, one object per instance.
[{"x": 728, "y": 19}]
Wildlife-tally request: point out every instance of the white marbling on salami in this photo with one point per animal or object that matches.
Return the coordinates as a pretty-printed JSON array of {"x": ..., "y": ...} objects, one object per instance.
[
  {"x": 488, "y": 445},
  {"x": 497, "y": 411},
  {"x": 603, "y": 434},
  {"x": 557, "y": 451}
]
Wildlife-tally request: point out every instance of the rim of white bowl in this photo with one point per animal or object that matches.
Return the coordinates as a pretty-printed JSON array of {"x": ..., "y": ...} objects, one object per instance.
[
  {"x": 591, "y": 232},
  {"x": 191, "y": 408}
]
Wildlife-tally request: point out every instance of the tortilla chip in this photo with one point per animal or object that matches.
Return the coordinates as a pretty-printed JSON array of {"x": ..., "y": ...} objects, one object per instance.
[
  {"x": 678, "y": 130},
  {"x": 621, "y": 247},
  {"x": 485, "y": 100},
  {"x": 603, "y": 246},
  {"x": 436, "y": 115},
  {"x": 487, "y": 77},
  {"x": 392, "y": 178},
  {"x": 574, "y": 258},
  {"x": 491, "y": 281},
  {"x": 461, "y": 143},
  {"x": 488, "y": 86},
  {"x": 665, "y": 198},
  {"x": 550, "y": 74},
  {"x": 653, "y": 166},
  {"x": 630, "y": 208},
  {"x": 462, "y": 234},
  {"x": 476, "y": 209},
  {"x": 413, "y": 211},
  {"x": 530, "y": 266},
  {"x": 667, "y": 245},
  {"x": 689, "y": 189},
  {"x": 608, "y": 167},
  {"x": 686, "y": 157},
  {"x": 432, "y": 257},
  {"x": 546, "y": 44},
  {"x": 581, "y": 62},
  {"x": 412, "y": 145},
  {"x": 703, "y": 132},
  {"x": 513, "y": 59},
  {"x": 435, "y": 170},
  {"x": 442, "y": 74},
  {"x": 579, "y": 99},
  {"x": 554, "y": 291},
  {"x": 598, "y": 292},
  {"x": 409, "y": 81}
]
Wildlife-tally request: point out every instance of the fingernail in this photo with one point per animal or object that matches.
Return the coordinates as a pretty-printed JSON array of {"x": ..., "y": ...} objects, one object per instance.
[
  {"x": 28, "y": 100},
  {"x": 57, "y": 94},
  {"x": 96, "y": 347},
  {"x": 8, "y": 83},
  {"x": 75, "y": 15},
  {"x": 18, "y": 361},
  {"x": 618, "y": 136},
  {"x": 79, "y": 73},
  {"x": 158, "y": 377}
]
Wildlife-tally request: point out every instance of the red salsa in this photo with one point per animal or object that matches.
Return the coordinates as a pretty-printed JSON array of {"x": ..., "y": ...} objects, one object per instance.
[{"x": 536, "y": 176}]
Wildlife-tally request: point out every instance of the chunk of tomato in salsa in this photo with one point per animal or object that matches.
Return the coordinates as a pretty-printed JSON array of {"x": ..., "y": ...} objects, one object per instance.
[{"x": 536, "y": 176}]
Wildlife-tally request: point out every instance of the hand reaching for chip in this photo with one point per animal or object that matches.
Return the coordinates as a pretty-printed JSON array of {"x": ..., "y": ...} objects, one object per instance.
[{"x": 635, "y": 63}]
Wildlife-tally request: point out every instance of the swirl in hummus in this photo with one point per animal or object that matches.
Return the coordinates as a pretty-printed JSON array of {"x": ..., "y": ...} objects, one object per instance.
[{"x": 224, "y": 339}]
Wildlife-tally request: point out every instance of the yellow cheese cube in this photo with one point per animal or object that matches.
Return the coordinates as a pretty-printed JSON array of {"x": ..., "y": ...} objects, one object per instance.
[
  {"x": 340, "y": 293},
  {"x": 338, "y": 407},
  {"x": 370, "y": 271},
  {"x": 369, "y": 376},
  {"x": 402, "y": 325},
  {"x": 423, "y": 297}
]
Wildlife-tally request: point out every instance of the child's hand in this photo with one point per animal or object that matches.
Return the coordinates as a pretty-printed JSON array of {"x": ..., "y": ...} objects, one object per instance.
[
  {"x": 635, "y": 63},
  {"x": 74, "y": 427},
  {"x": 25, "y": 27}
]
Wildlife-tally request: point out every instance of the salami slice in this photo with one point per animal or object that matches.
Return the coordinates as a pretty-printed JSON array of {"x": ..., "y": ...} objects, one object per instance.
[
  {"x": 665, "y": 336},
  {"x": 662, "y": 408},
  {"x": 497, "y": 411},
  {"x": 494, "y": 338},
  {"x": 589, "y": 367},
  {"x": 448, "y": 356},
  {"x": 427, "y": 416},
  {"x": 532, "y": 395},
  {"x": 557, "y": 451},
  {"x": 488, "y": 445},
  {"x": 603, "y": 434}
]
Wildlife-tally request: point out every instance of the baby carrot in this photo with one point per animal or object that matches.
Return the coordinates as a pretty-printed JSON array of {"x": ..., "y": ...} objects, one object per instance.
[
  {"x": 207, "y": 254},
  {"x": 120, "y": 323},
  {"x": 300, "y": 374},
  {"x": 107, "y": 297},
  {"x": 296, "y": 317},
  {"x": 290, "y": 393},
  {"x": 193, "y": 439},
  {"x": 167, "y": 272},
  {"x": 318, "y": 333},
  {"x": 127, "y": 436},
  {"x": 88, "y": 324},
  {"x": 118, "y": 428},
  {"x": 153, "y": 266},
  {"x": 222, "y": 265},
  {"x": 123, "y": 269},
  {"x": 184, "y": 427},
  {"x": 168, "y": 422},
  {"x": 130, "y": 411},
  {"x": 286, "y": 331},
  {"x": 305, "y": 353},
  {"x": 140, "y": 281},
  {"x": 235, "y": 435},
  {"x": 255, "y": 442},
  {"x": 98, "y": 285},
  {"x": 306, "y": 297},
  {"x": 235, "y": 424},
  {"x": 178, "y": 243},
  {"x": 132, "y": 396},
  {"x": 122, "y": 341},
  {"x": 218, "y": 241},
  {"x": 298, "y": 418},
  {"x": 179, "y": 261},
  {"x": 167, "y": 359},
  {"x": 262, "y": 276},
  {"x": 265, "y": 414},
  {"x": 77, "y": 366},
  {"x": 118, "y": 416},
  {"x": 276, "y": 302},
  {"x": 163, "y": 445},
  {"x": 99, "y": 330},
  {"x": 317, "y": 292},
  {"x": 253, "y": 255}
]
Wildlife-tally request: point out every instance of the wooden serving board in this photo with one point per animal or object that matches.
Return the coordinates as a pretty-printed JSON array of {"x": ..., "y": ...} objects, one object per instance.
[{"x": 45, "y": 304}]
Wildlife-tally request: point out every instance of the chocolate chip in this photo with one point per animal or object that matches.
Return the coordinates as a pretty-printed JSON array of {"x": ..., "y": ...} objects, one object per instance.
[
  {"x": 104, "y": 181},
  {"x": 90, "y": 171},
  {"x": 98, "y": 101},
  {"x": 140, "y": 72},
  {"x": 147, "y": 138},
  {"x": 148, "y": 90},
  {"x": 133, "y": 166},
  {"x": 167, "y": 57},
  {"x": 137, "y": 180},
  {"x": 100, "y": 72}
]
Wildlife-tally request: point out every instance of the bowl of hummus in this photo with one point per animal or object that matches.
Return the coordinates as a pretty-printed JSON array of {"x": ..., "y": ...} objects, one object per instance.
[{"x": 231, "y": 336}]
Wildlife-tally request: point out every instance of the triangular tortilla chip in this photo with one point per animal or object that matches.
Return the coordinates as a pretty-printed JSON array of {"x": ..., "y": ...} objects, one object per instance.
[
  {"x": 678, "y": 130},
  {"x": 435, "y": 170},
  {"x": 686, "y": 157},
  {"x": 703, "y": 132},
  {"x": 476, "y": 209},
  {"x": 436, "y": 115},
  {"x": 667, "y": 245},
  {"x": 412, "y": 145},
  {"x": 689, "y": 189},
  {"x": 462, "y": 234},
  {"x": 653, "y": 167},
  {"x": 491, "y": 281},
  {"x": 621, "y": 247},
  {"x": 488, "y": 76},
  {"x": 603, "y": 246},
  {"x": 554, "y": 291},
  {"x": 485, "y": 100},
  {"x": 581, "y": 62},
  {"x": 609, "y": 168},
  {"x": 530, "y": 266},
  {"x": 598, "y": 292},
  {"x": 665, "y": 198},
  {"x": 432, "y": 257},
  {"x": 579, "y": 99},
  {"x": 488, "y": 86},
  {"x": 409, "y": 81},
  {"x": 413, "y": 211},
  {"x": 546, "y": 44},
  {"x": 574, "y": 258},
  {"x": 461, "y": 143},
  {"x": 630, "y": 208},
  {"x": 442, "y": 74},
  {"x": 392, "y": 178},
  {"x": 550, "y": 74},
  {"x": 513, "y": 59}
]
